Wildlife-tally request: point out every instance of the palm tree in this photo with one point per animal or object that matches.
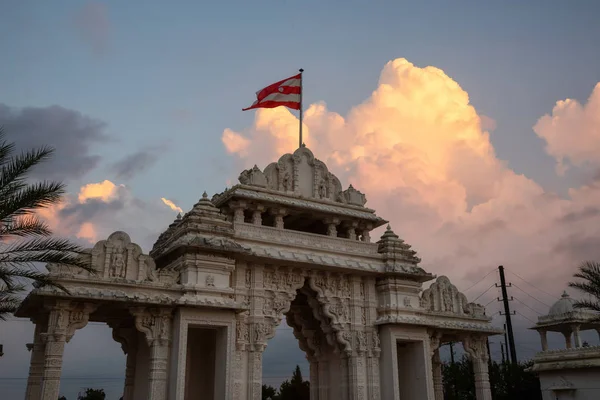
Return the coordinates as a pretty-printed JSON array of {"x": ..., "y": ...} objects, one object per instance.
[
  {"x": 25, "y": 240},
  {"x": 589, "y": 271}
]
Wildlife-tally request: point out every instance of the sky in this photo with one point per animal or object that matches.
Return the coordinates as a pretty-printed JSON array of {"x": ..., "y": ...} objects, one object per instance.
[{"x": 473, "y": 127}]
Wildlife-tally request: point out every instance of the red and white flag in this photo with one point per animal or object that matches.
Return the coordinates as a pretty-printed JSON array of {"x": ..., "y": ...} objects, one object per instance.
[{"x": 287, "y": 93}]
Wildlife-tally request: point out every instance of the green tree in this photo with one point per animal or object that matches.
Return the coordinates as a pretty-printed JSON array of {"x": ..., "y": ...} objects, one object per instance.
[
  {"x": 589, "y": 271},
  {"x": 25, "y": 240},
  {"x": 508, "y": 381},
  {"x": 92, "y": 394},
  {"x": 296, "y": 388},
  {"x": 62, "y": 398},
  {"x": 269, "y": 391}
]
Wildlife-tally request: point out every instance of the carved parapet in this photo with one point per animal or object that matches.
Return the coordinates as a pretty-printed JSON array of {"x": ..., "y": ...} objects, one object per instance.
[
  {"x": 443, "y": 297},
  {"x": 154, "y": 323}
]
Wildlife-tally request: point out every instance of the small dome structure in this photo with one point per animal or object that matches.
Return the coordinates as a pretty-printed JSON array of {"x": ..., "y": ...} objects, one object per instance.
[{"x": 562, "y": 306}]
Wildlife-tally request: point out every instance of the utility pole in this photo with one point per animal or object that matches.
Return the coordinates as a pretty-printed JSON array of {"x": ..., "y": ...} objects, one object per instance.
[
  {"x": 487, "y": 343},
  {"x": 511, "y": 336},
  {"x": 502, "y": 351},
  {"x": 452, "y": 353}
]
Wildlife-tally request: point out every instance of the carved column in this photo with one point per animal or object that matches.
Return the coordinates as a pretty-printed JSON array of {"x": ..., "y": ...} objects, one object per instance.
[
  {"x": 127, "y": 337},
  {"x": 568, "y": 341},
  {"x": 332, "y": 226},
  {"x": 36, "y": 366},
  {"x": 576, "y": 336},
  {"x": 64, "y": 319},
  {"x": 258, "y": 337},
  {"x": 313, "y": 364},
  {"x": 373, "y": 366},
  {"x": 257, "y": 214},
  {"x": 434, "y": 348},
  {"x": 475, "y": 347},
  {"x": 155, "y": 324},
  {"x": 544, "y": 340},
  {"x": 366, "y": 236},
  {"x": 351, "y": 232},
  {"x": 238, "y": 211},
  {"x": 438, "y": 384},
  {"x": 279, "y": 213}
]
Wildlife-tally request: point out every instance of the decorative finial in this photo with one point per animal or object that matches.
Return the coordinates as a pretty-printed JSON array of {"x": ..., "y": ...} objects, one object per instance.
[
  {"x": 565, "y": 294},
  {"x": 389, "y": 228},
  {"x": 303, "y": 144},
  {"x": 204, "y": 195},
  {"x": 178, "y": 216}
]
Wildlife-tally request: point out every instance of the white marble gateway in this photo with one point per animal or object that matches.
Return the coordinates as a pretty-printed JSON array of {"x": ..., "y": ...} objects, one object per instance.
[{"x": 194, "y": 316}]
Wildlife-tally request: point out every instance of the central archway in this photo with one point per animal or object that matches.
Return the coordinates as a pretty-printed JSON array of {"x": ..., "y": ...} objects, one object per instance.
[{"x": 318, "y": 339}]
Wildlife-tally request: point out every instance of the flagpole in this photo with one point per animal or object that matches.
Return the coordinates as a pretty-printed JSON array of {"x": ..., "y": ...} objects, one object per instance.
[{"x": 301, "y": 90}]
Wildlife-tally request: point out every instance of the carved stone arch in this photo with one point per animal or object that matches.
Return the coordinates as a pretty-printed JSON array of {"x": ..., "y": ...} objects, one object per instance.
[{"x": 332, "y": 308}]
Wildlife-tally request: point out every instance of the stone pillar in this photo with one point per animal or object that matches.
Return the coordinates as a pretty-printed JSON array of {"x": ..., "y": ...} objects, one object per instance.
[
  {"x": 255, "y": 375},
  {"x": 257, "y": 214},
  {"x": 127, "y": 337},
  {"x": 366, "y": 236},
  {"x": 388, "y": 363},
  {"x": 438, "y": 384},
  {"x": 476, "y": 349},
  {"x": 568, "y": 341},
  {"x": 435, "y": 339},
  {"x": 314, "y": 377},
  {"x": 576, "y": 336},
  {"x": 351, "y": 230},
  {"x": 332, "y": 226},
  {"x": 36, "y": 366},
  {"x": 238, "y": 211},
  {"x": 544, "y": 340},
  {"x": 64, "y": 319},
  {"x": 279, "y": 213},
  {"x": 155, "y": 324}
]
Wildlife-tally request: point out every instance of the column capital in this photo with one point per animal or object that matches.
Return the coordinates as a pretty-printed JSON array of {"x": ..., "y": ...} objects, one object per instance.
[
  {"x": 154, "y": 323},
  {"x": 475, "y": 347},
  {"x": 435, "y": 340}
]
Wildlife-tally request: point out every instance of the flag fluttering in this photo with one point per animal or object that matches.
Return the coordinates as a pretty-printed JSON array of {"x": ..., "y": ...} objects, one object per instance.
[{"x": 287, "y": 92}]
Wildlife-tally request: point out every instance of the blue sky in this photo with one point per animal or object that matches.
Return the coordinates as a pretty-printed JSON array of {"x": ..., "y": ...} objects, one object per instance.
[{"x": 173, "y": 76}]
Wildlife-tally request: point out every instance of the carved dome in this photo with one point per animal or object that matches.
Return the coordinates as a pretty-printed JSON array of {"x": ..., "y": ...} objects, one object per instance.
[{"x": 562, "y": 306}]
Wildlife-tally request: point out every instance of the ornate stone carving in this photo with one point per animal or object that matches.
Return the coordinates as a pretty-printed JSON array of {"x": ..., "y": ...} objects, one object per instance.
[
  {"x": 210, "y": 281},
  {"x": 444, "y": 297},
  {"x": 253, "y": 177},
  {"x": 354, "y": 197}
]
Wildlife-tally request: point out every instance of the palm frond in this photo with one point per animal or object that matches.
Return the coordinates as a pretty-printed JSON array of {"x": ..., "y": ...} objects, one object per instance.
[
  {"x": 9, "y": 301},
  {"x": 6, "y": 149},
  {"x": 589, "y": 272},
  {"x": 13, "y": 278},
  {"x": 13, "y": 172},
  {"x": 45, "y": 250},
  {"x": 29, "y": 225},
  {"x": 591, "y": 305},
  {"x": 30, "y": 198}
]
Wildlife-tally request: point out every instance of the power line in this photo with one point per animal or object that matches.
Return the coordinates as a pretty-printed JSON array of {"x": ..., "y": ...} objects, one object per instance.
[
  {"x": 527, "y": 318},
  {"x": 539, "y": 301},
  {"x": 479, "y": 281},
  {"x": 486, "y": 290},
  {"x": 531, "y": 284},
  {"x": 535, "y": 311}
]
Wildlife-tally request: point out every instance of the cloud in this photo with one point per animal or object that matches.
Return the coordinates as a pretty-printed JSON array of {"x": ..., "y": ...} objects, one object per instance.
[
  {"x": 134, "y": 163},
  {"x": 572, "y": 131},
  {"x": 104, "y": 207},
  {"x": 171, "y": 205},
  {"x": 69, "y": 132},
  {"x": 423, "y": 156},
  {"x": 93, "y": 26}
]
